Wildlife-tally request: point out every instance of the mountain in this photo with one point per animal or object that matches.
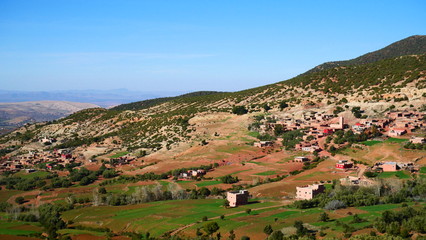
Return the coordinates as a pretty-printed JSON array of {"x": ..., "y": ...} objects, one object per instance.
[
  {"x": 409, "y": 46},
  {"x": 19, "y": 113},
  {"x": 103, "y": 98},
  {"x": 164, "y": 123}
]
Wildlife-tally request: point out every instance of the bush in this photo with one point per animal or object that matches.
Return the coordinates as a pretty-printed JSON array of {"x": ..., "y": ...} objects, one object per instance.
[
  {"x": 334, "y": 204},
  {"x": 239, "y": 110},
  {"x": 19, "y": 200}
]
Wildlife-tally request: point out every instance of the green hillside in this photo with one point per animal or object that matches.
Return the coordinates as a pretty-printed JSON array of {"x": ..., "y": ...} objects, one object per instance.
[
  {"x": 152, "y": 102},
  {"x": 413, "y": 45}
]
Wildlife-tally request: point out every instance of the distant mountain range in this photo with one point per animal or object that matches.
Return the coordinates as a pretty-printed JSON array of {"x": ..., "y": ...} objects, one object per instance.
[{"x": 103, "y": 98}]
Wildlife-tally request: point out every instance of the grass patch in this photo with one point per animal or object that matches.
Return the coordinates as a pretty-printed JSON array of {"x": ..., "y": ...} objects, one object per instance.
[
  {"x": 378, "y": 208},
  {"x": 398, "y": 174},
  {"x": 423, "y": 170},
  {"x": 119, "y": 154},
  {"x": 267, "y": 173},
  {"x": 396, "y": 140},
  {"x": 78, "y": 232},
  {"x": 24, "y": 175},
  {"x": 208, "y": 183},
  {"x": 254, "y": 134},
  {"x": 371, "y": 143}
]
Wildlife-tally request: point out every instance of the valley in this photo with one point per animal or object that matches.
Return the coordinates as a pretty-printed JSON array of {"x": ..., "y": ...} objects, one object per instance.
[{"x": 335, "y": 153}]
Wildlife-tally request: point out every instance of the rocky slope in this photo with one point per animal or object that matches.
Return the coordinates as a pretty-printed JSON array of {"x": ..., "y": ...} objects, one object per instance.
[{"x": 376, "y": 87}]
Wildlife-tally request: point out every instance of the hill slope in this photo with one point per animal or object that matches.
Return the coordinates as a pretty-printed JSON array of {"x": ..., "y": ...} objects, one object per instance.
[
  {"x": 18, "y": 113},
  {"x": 409, "y": 46},
  {"x": 166, "y": 124}
]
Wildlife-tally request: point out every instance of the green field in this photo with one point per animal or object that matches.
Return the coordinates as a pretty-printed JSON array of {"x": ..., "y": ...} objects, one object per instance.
[
  {"x": 398, "y": 174},
  {"x": 381, "y": 207},
  {"x": 396, "y": 140},
  {"x": 18, "y": 228},
  {"x": 78, "y": 232},
  {"x": 371, "y": 143},
  {"x": 24, "y": 175},
  {"x": 155, "y": 217},
  {"x": 267, "y": 173},
  {"x": 423, "y": 170},
  {"x": 119, "y": 154},
  {"x": 208, "y": 183}
]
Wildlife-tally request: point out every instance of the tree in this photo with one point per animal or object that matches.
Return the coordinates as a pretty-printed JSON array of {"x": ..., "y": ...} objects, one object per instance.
[
  {"x": 268, "y": 230},
  {"x": 245, "y": 238},
  {"x": 276, "y": 235},
  {"x": 248, "y": 210},
  {"x": 357, "y": 219},
  {"x": 205, "y": 218},
  {"x": 222, "y": 217},
  {"x": 324, "y": 217},
  {"x": 231, "y": 235},
  {"x": 19, "y": 200},
  {"x": 225, "y": 203},
  {"x": 300, "y": 229},
  {"x": 239, "y": 110},
  {"x": 102, "y": 190},
  {"x": 283, "y": 105},
  {"x": 211, "y": 228},
  {"x": 266, "y": 107}
]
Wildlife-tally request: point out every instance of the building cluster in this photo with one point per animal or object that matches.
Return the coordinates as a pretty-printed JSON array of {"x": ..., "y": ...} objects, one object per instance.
[
  {"x": 404, "y": 122},
  {"x": 190, "y": 174},
  {"x": 395, "y": 166},
  {"x": 121, "y": 161},
  {"x": 318, "y": 125},
  {"x": 32, "y": 158}
]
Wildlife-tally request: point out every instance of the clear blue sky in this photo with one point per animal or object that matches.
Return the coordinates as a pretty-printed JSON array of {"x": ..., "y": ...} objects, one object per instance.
[{"x": 161, "y": 45}]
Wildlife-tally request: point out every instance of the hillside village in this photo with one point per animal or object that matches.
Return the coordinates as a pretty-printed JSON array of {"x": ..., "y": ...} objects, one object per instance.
[{"x": 325, "y": 154}]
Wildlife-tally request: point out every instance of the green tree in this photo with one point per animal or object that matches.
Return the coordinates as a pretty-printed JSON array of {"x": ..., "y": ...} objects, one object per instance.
[
  {"x": 19, "y": 200},
  {"x": 239, "y": 110},
  {"x": 248, "y": 210},
  {"x": 268, "y": 229},
  {"x": 211, "y": 228},
  {"x": 231, "y": 235},
  {"x": 276, "y": 235},
  {"x": 324, "y": 217}
]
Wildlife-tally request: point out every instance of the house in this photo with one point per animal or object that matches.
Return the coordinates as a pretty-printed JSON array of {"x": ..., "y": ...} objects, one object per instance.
[
  {"x": 390, "y": 167},
  {"x": 263, "y": 144},
  {"x": 237, "y": 198},
  {"x": 328, "y": 131},
  {"x": 358, "y": 127},
  {"x": 418, "y": 140},
  {"x": 344, "y": 164},
  {"x": 310, "y": 191},
  {"x": 339, "y": 125},
  {"x": 395, "y": 132},
  {"x": 301, "y": 159}
]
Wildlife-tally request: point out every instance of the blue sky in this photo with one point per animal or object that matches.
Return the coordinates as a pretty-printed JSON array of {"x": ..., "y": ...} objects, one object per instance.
[{"x": 189, "y": 45}]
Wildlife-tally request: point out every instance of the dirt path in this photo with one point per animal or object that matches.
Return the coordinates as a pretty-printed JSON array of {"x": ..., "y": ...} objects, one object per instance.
[{"x": 176, "y": 231}]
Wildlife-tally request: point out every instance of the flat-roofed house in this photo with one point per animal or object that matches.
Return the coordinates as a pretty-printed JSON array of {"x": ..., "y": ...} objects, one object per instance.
[
  {"x": 390, "y": 167},
  {"x": 395, "y": 132},
  {"x": 301, "y": 159},
  {"x": 237, "y": 198},
  {"x": 344, "y": 164},
  {"x": 309, "y": 191},
  {"x": 418, "y": 140}
]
